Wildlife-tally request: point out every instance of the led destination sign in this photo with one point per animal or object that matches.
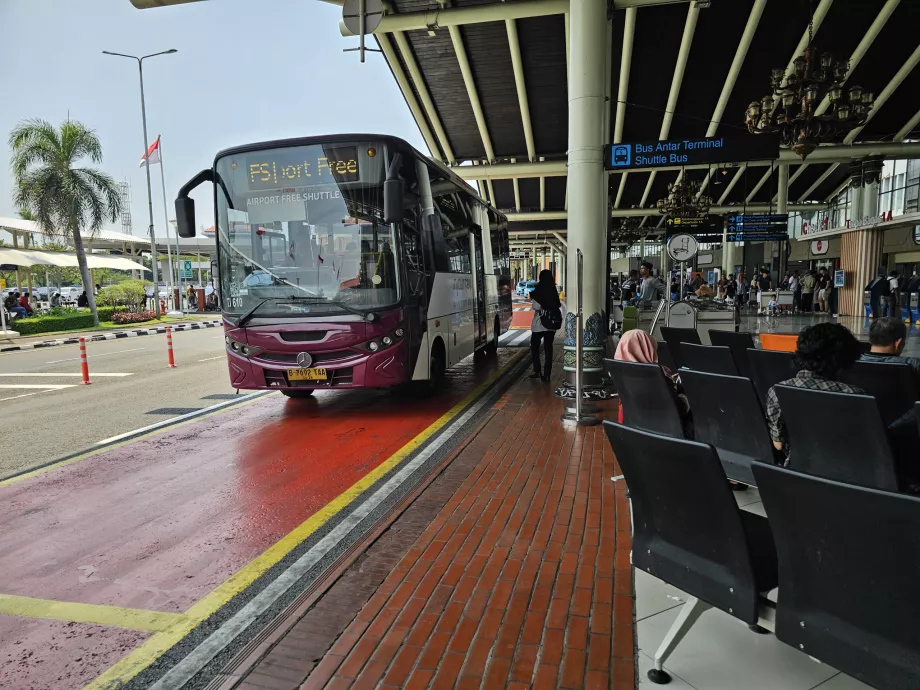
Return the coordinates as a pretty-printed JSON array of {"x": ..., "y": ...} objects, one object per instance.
[
  {"x": 301, "y": 167},
  {"x": 677, "y": 152}
]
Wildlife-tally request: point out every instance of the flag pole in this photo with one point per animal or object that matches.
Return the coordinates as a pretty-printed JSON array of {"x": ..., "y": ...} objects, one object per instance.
[{"x": 169, "y": 264}]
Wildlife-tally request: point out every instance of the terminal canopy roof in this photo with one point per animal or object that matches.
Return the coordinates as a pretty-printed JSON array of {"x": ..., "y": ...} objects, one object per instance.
[
  {"x": 31, "y": 257},
  {"x": 671, "y": 76}
]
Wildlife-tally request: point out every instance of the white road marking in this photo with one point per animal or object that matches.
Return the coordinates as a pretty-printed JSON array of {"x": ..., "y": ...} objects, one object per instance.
[
  {"x": 24, "y": 395},
  {"x": 44, "y": 386},
  {"x": 208, "y": 359},
  {"x": 68, "y": 373},
  {"x": 94, "y": 356},
  {"x": 173, "y": 420},
  {"x": 199, "y": 657}
]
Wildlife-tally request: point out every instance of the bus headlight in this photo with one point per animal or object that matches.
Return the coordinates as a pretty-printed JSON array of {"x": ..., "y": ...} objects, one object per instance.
[
  {"x": 373, "y": 346},
  {"x": 387, "y": 340},
  {"x": 399, "y": 332},
  {"x": 242, "y": 348}
]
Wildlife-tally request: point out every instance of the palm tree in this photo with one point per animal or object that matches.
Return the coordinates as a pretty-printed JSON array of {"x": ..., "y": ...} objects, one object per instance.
[{"x": 65, "y": 200}]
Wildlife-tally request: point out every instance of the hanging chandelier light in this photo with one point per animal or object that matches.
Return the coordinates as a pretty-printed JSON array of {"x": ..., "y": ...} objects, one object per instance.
[
  {"x": 791, "y": 108},
  {"x": 628, "y": 232},
  {"x": 684, "y": 200}
]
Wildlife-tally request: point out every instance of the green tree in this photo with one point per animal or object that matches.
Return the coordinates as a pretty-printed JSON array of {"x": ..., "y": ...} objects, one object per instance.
[{"x": 66, "y": 200}]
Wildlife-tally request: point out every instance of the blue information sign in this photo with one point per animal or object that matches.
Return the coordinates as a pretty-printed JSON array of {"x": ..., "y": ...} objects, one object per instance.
[
  {"x": 679, "y": 152},
  {"x": 753, "y": 227}
]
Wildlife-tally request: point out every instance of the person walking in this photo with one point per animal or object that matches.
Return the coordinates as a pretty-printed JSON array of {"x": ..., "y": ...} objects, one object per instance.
[
  {"x": 894, "y": 300},
  {"x": 796, "y": 286},
  {"x": 547, "y": 319},
  {"x": 808, "y": 292}
]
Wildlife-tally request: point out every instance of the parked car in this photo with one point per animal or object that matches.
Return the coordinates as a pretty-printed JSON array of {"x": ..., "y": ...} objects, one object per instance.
[{"x": 520, "y": 287}]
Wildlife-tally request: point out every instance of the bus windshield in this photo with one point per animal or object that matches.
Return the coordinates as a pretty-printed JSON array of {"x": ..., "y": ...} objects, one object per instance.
[{"x": 305, "y": 231}]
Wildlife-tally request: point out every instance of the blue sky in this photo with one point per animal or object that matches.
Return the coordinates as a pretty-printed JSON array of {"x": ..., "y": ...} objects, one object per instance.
[{"x": 246, "y": 71}]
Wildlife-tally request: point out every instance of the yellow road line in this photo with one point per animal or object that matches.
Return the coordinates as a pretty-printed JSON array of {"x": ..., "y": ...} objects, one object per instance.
[
  {"x": 95, "y": 451},
  {"x": 98, "y": 614},
  {"x": 159, "y": 644}
]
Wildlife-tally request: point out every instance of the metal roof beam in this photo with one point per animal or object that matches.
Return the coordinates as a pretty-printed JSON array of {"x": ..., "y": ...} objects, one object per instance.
[
  {"x": 517, "y": 192},
  {"x": 467, "y": 72},
  {"x": 858, "y": 53},
  {"x": 629, "y": 31},
  {"x": 908, "y": 128},
  {"x": 817, "y": 183},
  {"x": 493, "y": 12},
  {"x": 886, "y": 93},
  {"x": 683, "y": 56},
  {"x": 874, "y": 29},
  {"x": 423, "y": 94},
  {"x": 734, "y": 181},
  {"x": 744, "y": 45},
  {"x": 387, "y": 48},
  {"x": 518, "y": 66}
]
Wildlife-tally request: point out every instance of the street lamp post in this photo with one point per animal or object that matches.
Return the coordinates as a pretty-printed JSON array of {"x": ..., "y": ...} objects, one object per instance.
[{"x": 153, "y": 239}]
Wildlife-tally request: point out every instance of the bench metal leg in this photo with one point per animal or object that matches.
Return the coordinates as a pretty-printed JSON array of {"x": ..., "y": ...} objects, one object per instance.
[{"x": 689, "y": 614}]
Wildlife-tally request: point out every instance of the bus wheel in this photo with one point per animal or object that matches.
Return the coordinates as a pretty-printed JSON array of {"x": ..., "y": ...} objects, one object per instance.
[{"x": 305, "y": 393}]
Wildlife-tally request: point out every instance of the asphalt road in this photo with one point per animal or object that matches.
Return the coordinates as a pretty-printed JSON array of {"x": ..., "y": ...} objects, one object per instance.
[{"x": 45, "y": 413}]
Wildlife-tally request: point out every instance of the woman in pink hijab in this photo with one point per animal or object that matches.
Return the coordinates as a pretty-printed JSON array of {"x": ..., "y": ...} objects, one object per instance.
[{"x": 639, "y": 346}]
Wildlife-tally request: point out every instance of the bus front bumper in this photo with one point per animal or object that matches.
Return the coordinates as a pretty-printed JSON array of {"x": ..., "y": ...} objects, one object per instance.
[{"x": 389, "y": 367}]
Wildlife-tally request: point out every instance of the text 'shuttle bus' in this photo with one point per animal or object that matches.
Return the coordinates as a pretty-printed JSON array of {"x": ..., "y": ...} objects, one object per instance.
[{"x": 351, "y": 261}]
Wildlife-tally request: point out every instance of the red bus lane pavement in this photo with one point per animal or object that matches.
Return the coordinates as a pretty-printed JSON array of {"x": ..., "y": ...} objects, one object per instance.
[{"x": 109, "y": 560}]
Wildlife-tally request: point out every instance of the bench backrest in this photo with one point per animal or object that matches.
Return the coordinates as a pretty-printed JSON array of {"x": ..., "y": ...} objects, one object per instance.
[
  {"x": 891, "y": 384},
  {"x": 693, "y": 539},
  {"x": 837, "y": 435},
  {"x": 739, "y": 343},
  {"x": 675, "y": 336},
  {"x": 848, "y": 570},
  {"x": 710, "y": 358},
  {"x": 769, "y": 367},
  {"x": 647, "y": 401},
  {"x": 727, "y": 414}
]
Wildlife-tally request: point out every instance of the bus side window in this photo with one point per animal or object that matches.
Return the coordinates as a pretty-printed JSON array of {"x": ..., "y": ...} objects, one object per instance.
[
  {"x": 414, "y": 256},
  {"x": 458, "y": 252}
]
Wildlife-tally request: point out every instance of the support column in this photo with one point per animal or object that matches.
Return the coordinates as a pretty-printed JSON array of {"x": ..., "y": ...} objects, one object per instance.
[
  {"x": 861, "y": 250},
  {"x": 782, "y": 206},
  {"x": 587, "y": 198}
]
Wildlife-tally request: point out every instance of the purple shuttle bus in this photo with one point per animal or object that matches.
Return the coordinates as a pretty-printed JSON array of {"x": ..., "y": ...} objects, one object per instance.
[{"x": 351, "y": 261}]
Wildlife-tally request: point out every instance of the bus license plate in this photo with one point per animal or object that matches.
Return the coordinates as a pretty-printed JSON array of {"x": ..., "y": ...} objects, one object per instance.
[{"x": 307, "y": 375}]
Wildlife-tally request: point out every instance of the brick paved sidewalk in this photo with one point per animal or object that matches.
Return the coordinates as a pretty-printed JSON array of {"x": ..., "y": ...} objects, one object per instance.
[{"x": 522, "y": 579}]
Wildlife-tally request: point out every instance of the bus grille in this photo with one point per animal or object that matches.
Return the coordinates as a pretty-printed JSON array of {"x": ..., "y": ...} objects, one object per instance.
[{"x": 302, "y": 336}]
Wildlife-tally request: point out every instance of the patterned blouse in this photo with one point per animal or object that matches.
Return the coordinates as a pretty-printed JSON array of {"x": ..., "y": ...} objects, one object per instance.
[{"x": 804, "y": 379}]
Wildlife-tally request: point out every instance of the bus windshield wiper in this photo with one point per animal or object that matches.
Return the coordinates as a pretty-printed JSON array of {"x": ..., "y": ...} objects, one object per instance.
[
  {"x": 368, "y": 316},
  {"x": 249, "y": 314}
]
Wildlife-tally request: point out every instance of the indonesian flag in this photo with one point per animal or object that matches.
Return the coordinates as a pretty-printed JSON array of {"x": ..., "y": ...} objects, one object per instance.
[{"x": 153, "y": 153}]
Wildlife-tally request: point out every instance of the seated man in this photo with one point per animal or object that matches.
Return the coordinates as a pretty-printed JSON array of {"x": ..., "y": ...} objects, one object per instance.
[
  {"x": 704, "y": 290},
  {"x": 12, "y": 305},
  {"x": 24, "y": 303},
  {"x": 887, "y": 336},
  {"x": 822, "y": 352}
]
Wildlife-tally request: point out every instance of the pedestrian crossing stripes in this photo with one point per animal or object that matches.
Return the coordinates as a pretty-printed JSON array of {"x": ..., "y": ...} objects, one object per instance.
[{"x": 516, "y": 338}]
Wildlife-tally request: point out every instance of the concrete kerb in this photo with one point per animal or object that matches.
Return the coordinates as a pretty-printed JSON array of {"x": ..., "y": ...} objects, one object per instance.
[{"x": 114, "y": 336}]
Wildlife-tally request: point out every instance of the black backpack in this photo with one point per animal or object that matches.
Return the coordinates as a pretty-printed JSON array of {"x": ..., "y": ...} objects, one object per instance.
[{"x": 551, "y": 318}]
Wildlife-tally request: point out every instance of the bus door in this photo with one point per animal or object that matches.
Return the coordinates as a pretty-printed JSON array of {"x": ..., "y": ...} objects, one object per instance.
[{"x": 479, "y": 291}]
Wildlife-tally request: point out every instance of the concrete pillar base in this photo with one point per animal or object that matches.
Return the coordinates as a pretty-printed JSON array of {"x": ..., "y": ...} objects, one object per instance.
[{"x": 594, "y": 377}]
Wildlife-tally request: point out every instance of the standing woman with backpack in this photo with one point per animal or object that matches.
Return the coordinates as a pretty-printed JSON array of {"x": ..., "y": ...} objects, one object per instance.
[{"x": 547, "y": 319}]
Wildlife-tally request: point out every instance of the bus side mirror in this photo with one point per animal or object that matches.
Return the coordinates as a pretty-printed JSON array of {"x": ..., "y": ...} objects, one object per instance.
[
  {"x": 392, "y": 201},
  {"x": 185, "y": 216}
]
